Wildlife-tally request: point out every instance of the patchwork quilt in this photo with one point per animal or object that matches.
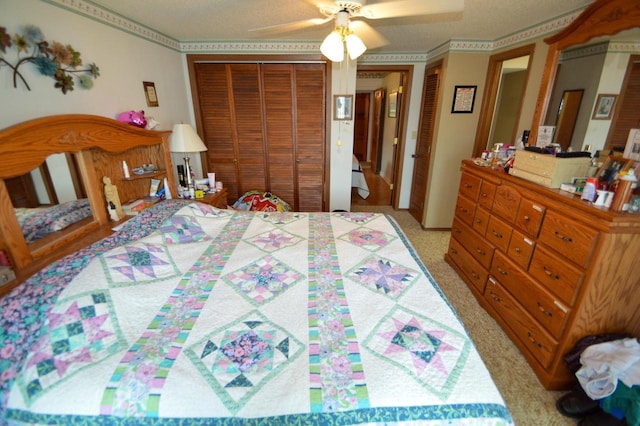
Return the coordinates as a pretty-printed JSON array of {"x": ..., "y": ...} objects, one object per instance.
[{"x": 232, "y": 317}]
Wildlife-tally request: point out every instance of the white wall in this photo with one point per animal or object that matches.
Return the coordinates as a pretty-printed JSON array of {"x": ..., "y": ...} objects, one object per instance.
[{"x": 125, "y": 61}]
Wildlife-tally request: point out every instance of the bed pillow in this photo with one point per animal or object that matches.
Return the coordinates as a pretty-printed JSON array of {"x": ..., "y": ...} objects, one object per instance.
[{"x": 261, "y": 201}]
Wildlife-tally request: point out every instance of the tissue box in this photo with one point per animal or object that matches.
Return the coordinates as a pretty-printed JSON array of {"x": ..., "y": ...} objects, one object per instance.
[{"x": 548, "y": 170}]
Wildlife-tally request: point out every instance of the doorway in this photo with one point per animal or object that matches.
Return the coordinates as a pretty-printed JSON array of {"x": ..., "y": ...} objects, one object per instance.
[{"x": 380, "y": 152}]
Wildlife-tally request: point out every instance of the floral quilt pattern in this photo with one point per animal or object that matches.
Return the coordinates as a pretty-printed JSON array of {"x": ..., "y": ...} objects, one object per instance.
[{"x": 195, "y": 315}]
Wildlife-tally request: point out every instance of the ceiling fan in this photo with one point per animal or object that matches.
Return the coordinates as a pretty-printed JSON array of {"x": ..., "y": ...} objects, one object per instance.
[{"x": 348, "y": 34}]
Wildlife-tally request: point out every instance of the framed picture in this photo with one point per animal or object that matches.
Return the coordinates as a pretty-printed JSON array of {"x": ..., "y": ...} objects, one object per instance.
[
  {"x": 393, "y": 105},
  {"x": 604, "y": 107},
  {"x": 463, "y": 99},
  {"x": 610, "y": 168},
  {"x": 343, "y": 107},
  {"x": 632, "y": 148},
  {"x": 150, "y": 93}
]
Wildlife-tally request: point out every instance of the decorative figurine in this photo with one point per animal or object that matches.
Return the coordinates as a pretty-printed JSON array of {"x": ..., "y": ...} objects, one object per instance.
[{"x": 113, "y": 200}]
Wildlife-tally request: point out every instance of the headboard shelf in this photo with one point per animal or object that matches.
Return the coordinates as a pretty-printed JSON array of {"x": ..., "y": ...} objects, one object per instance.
[{"x": 99, "y": 146}]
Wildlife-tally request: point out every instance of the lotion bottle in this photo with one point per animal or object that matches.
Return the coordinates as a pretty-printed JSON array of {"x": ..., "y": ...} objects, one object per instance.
[{"x": 125, "y": 169}]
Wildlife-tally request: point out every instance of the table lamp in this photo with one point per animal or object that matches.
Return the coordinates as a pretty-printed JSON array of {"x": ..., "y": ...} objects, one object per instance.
[{"x": 184, "y": 139}]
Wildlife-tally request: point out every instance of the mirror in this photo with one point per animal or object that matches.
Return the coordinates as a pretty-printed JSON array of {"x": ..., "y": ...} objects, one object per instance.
[
  {"x": 507, "y": 77},
  {"x": 591, "y": 28},
  {"x": 50, "y": 200}
]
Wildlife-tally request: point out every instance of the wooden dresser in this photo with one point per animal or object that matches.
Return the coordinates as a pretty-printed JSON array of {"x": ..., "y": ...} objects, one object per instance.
[{"x": 549, "y": 267}]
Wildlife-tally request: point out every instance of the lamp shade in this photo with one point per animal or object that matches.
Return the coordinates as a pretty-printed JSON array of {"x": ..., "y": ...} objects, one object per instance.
[
  {"x": 332, "y": 47},
  {"x": 355, "y": 46},
  {"x": 185, "y": 139}
]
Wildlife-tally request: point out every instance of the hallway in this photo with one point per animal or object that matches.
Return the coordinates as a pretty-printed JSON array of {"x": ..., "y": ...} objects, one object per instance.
[{"x": 379, "y": 191}]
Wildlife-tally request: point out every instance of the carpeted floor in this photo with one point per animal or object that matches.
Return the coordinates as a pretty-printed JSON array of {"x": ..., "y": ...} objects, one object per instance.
[{"x": 528, "y": 401}]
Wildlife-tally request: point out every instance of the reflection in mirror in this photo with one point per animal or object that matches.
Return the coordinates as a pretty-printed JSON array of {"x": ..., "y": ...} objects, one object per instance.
[
  {"x": 609, "y": 23},
  {"x": 510, "y": 90},
  {"x": 50, "y": 200},
  {"x": 567, "y": 117},
  {"x": 505, "y": 86}
]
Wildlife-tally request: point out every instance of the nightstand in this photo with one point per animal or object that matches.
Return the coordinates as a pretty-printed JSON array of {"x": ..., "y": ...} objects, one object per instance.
[{"x": 215, "y": 199}]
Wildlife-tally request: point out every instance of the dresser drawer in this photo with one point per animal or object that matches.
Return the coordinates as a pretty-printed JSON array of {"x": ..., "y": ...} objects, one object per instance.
[
  {"x": 556, "y": 274},
  {"x": 465, "y": 210},
  {"x": 529, "y": 217},
  {"x": 498, "y": 233},
  {"x": 506, "y": 202},
  {"x": 527, "y": 330},
  {"x": 568, "y": 237},
  {"x": 469, "y": 265},
  {"x": 477, "y": 246},
  {"x": 541, "y": 304},
  {"x": 481, "y": 221},
  {"x": 470, "y": 186},
  {"x": 521, "y": 249},
  {"x": 487, "y": 194}
]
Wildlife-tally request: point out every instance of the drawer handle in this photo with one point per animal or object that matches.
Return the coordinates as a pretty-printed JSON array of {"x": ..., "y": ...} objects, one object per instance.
[
  {"x": 463, "y": 210},
  {"x": 497, "y": 234},
  {"x": 495, "y": 297},
  {"x": 563, "y": 237},
  {"x": 481, "y": 252},
  {"x": 475, "y": 276},
  {"x": 478, "y": 221},
  {"x": 468, "y": 186},
  {"x": 527, "y": 218},
  {"x": 518, "y": 250},
  {"x": 457, "y": 231},
  {"x": 485, "y": 195},
  {"x": 454, "y": 251},
  {"x": 503, "y": 272},
  {"x": 550, "y": 273},
  {"x": 543, "y": 310},
  {"x": 534, "y": 341}
]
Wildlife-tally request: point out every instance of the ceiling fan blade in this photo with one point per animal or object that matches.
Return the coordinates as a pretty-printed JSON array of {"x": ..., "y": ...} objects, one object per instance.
[
  {"x": 291, "y": 26},
  {"x": 394, "y": 9},
  {"x": 369, "y": 36}
]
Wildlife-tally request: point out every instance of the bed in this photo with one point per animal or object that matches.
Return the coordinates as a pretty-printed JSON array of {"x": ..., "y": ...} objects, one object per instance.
[
  {"x": 358, "y": 180},
  {"x": 191, "y": 313}
]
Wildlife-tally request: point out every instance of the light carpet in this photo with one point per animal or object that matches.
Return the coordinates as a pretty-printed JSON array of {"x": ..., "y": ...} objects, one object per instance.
[{"x": 529, "y": 402}]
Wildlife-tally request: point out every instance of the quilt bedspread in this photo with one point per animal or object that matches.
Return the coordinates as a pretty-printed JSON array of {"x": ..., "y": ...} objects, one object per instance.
[{"x": 228, "y": 317}]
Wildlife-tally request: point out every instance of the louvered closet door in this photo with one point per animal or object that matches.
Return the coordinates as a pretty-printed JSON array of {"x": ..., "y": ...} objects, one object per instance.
[
  {"x": 217, "y": 127},
  {"x": 279, "y": 116},
  {"x": 310, "y": 83},
  {"x": 264, "y": 126}
]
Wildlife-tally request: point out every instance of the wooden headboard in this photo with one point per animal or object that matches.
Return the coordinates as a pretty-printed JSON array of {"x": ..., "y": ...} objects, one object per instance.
[{"x": 100, "y": 145}]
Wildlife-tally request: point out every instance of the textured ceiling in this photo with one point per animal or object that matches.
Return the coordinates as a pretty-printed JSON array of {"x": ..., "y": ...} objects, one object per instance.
[{"x": 231, "y": 20}]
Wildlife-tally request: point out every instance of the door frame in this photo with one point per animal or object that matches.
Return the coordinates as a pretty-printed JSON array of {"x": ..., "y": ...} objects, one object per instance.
[{"x": 403, "y": 116}]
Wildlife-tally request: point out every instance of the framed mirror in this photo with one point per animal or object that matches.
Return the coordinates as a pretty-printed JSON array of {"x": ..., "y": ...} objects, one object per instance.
[
  {"x": 594, "y": 25},
  {"x": 507, "y": 77}
]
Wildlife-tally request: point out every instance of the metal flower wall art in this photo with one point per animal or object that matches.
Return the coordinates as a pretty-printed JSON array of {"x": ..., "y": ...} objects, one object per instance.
[{"x": 55, "y": 60}]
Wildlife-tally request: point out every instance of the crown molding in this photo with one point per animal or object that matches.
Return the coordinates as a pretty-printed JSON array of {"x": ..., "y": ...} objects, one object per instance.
[{"x": 115, "y": 20}]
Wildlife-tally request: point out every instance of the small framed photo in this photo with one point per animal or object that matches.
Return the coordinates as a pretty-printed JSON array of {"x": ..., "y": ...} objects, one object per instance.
[
  {"x": 343, "y": 107},
  {"x": 463, "y": 99},
  {"x": 632, "y": 148},
  {"x": 393, "y": 105},
  {"x": 150, "y": 93},
  {"x": 611, "y": 167},
  {"x": 604, "y": 107}
]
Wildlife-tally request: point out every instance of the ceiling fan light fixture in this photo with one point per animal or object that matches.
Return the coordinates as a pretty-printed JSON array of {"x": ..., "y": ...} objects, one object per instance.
[
  {"x": 355, "y": 46},
  {"x": 332, "y": 47}
]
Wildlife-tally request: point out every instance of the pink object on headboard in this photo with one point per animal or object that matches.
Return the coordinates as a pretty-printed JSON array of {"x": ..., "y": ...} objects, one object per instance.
[{"x": 135, "y": 118}]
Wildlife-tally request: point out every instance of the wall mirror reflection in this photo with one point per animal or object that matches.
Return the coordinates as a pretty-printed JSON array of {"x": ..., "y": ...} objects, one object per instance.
[
  {"x": 600, "y": 51},
  {"x": 505, "y": 86},
  {"x": 50, "y": 200},
  {"x": 567, "y": 116}
]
